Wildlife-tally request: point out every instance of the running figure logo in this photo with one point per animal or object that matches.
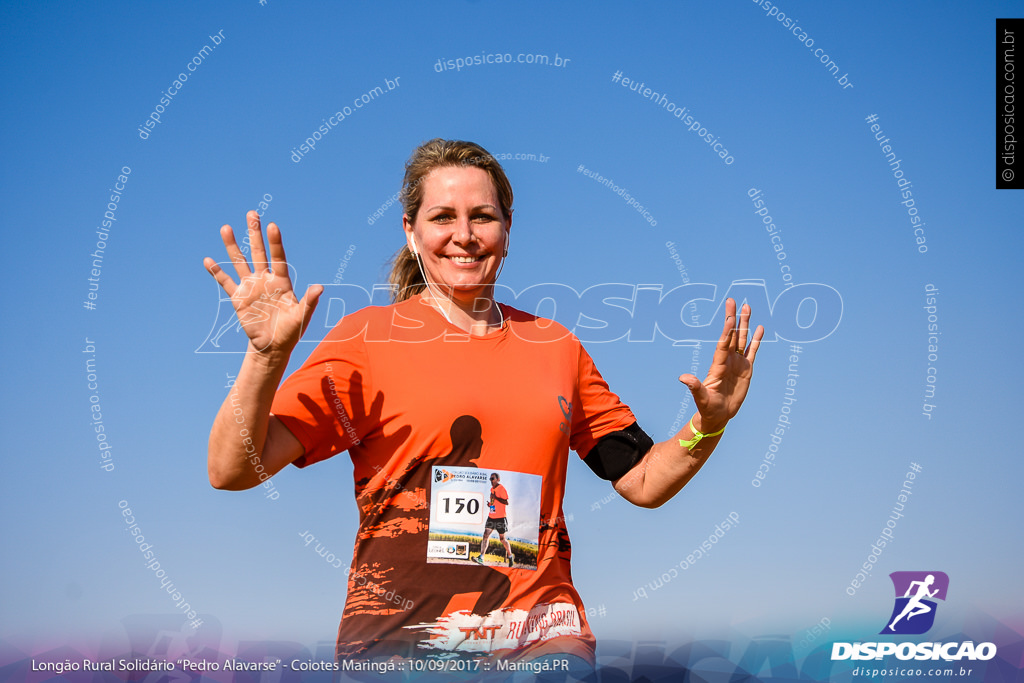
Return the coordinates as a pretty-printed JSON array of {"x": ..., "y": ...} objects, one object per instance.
[{"x": 916, "y": 592}]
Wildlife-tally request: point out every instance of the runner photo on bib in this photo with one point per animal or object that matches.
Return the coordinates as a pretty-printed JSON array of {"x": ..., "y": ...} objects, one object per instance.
[{"x": 484, "y": 517}]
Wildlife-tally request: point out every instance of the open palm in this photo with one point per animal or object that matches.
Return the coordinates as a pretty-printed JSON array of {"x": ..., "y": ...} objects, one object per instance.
[
  {"x": 719, "y": 397},
  {"x": 266, "y": 305}
]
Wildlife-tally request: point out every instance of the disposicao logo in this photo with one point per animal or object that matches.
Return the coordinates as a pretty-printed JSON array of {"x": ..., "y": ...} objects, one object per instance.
[
  {"x": 916, "y": 592},
  {"x": 913, "y": 614}
]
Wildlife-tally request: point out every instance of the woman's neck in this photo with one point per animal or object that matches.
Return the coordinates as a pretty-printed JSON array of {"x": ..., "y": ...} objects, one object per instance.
[{"x": 479, "y": 316}]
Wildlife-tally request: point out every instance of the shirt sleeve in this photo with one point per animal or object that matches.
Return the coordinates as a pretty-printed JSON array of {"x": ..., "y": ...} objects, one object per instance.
[
  {"x": 598, "y": 411},
  {"x": 324, "y": 403}
]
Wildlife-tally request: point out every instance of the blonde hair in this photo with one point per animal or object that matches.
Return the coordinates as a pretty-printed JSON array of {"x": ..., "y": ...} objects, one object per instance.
[{"x": 405, "y": 276}]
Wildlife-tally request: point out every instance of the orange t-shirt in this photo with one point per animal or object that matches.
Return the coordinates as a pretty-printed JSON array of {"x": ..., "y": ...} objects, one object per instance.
[{"x": 427, "y": 412}]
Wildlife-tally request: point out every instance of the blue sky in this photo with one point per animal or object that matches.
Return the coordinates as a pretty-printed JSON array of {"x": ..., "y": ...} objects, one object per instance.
[{"x": 81, "y": 80}]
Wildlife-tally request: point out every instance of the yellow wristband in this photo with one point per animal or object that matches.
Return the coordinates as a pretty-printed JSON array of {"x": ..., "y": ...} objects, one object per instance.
[{"x": 697, "y": 436}]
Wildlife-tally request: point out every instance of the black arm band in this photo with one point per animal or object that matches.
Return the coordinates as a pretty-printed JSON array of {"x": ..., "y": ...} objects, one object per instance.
[{"x": 617, "y": 453}]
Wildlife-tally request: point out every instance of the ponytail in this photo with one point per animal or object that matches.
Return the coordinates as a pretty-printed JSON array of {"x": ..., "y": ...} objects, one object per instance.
[{"x": 405, "y": 278}]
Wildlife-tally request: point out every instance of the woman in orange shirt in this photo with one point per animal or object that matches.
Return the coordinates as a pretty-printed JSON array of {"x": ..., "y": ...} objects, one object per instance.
[{"x": 427, "y": 396}]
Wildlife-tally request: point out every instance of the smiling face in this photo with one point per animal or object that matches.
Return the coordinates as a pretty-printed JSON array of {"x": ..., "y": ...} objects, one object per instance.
[{"x": 460, "y": 232}]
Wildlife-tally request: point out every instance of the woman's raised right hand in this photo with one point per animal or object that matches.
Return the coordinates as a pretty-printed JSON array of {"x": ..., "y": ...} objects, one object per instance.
[{"x": 263, "y": 298}]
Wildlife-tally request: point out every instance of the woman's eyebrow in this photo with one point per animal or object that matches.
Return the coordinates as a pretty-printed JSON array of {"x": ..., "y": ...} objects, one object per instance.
[{"x": 492, "y": 207}]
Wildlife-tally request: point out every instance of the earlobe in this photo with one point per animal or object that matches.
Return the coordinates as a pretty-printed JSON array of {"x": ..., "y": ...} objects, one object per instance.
[{"x": 410, "y": 241}]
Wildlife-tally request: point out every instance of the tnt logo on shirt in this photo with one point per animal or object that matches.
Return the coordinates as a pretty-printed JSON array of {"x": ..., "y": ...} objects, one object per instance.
[{"x": 914, "y": 611}]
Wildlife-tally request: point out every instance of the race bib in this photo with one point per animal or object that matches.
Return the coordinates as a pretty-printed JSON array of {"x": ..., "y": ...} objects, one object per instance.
[{"x": 484, "y": 517}]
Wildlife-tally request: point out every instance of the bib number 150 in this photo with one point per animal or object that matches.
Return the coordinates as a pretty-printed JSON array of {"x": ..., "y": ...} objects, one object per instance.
[{"x": 460, "y": 507}]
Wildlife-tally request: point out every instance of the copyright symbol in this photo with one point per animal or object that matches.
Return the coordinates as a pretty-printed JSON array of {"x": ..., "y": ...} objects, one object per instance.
[{"x": 1007, "y": 174}]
